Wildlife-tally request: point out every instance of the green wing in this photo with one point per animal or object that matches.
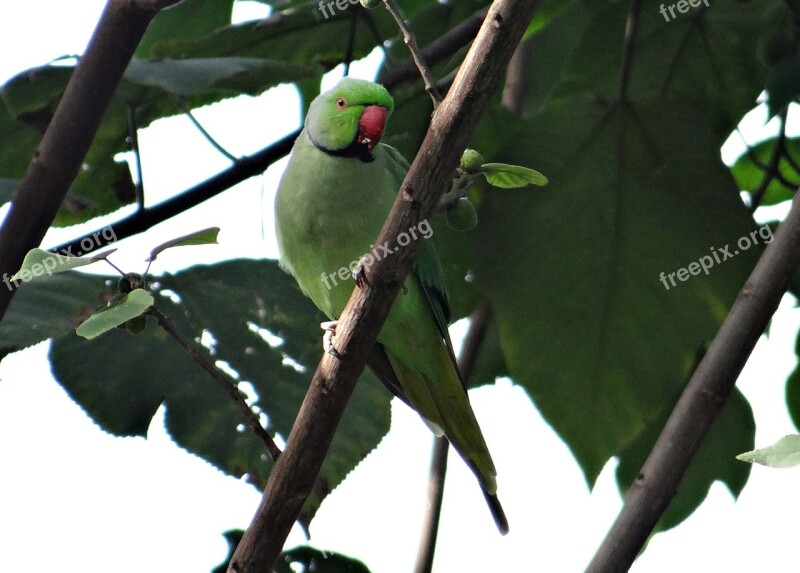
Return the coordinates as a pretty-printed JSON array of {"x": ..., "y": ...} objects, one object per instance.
[{"x": 427, "y": 267}]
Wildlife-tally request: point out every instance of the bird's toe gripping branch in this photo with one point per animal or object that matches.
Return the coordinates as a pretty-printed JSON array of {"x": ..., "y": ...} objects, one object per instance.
[{"x": 327, "y": 339}]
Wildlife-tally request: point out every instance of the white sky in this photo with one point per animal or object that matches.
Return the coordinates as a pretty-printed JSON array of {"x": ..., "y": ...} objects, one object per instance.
[{"x": 73, "y": 497}]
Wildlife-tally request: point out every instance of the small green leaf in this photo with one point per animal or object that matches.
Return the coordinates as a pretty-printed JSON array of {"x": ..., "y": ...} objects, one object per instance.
[
  {"x": 122, "y": 309},
  {"x": 784, "y": 453},
  {"x": 39, "y": 263},
  {"x": 511, "y": 176},
  {"x": 204, "y": 237}
]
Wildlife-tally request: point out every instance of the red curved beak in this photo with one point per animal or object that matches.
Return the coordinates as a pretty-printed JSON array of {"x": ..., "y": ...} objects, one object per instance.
[{"x": 371, "y": 125}]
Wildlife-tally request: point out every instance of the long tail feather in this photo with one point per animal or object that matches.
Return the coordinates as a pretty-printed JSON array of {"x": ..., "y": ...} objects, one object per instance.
[{"x": 497, "y": 511}]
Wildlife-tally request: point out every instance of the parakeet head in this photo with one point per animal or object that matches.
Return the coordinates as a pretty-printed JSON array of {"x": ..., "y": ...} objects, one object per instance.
[{"x": 349, "y": 119}]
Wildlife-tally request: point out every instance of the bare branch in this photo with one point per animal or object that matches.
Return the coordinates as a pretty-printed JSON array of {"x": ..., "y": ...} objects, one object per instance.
[
  {"x": 65, "y": 142},
  {"x": 631, "y": 27},
  {"x": 701, "y": 401},
  {"x": 430, "y": 523},
  {"x": 772, "y": 169},
  {"x": 435, "y": 52},
  {"x": 411, "y": 41},
  {"x": 453, "y": 123},
  {"x": 230, "y": 389},
  {"x": 140, "y": 221}
]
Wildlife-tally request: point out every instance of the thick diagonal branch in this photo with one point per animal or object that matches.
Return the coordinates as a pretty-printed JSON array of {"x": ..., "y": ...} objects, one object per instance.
[
  {"x": 452, "y": 125},
  {"x": 64, "y": 145},
  {"x": 701, "y": 401}
]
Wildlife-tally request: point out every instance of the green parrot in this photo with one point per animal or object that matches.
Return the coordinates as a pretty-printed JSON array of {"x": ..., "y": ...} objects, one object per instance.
[{"x": 332, "y": 201}]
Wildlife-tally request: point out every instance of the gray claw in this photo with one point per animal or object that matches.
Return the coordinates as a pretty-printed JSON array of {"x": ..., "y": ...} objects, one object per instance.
[{"x": 327, "y": 339}]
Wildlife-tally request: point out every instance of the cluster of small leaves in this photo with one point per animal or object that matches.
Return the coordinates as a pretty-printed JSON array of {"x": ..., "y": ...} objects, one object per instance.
[
  {"x": 127, "y": 307},
  {"x": 461, "y": 213}
]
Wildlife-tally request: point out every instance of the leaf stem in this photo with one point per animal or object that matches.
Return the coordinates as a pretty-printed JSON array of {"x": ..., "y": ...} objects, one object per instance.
[{"x": 230, "y": 389}]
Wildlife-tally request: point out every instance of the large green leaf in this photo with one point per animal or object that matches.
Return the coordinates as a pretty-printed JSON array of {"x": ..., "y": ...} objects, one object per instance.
[
  {"x": 574, "y": 274},
  {"x": 301, "y": 36},
  {"x": 749, "y": 171},
  {"x": 255, "y": 321},
  {"x": 51, "y": 307},
  {"x": 198, "y": 76},
  {"x": 706, "y": 58},
  {"x": 186, "y": 20},
  {"x": 102, "y": 184}
]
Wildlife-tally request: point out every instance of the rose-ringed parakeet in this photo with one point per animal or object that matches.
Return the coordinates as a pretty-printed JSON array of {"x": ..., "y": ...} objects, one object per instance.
[{"x": 332, "y": 201}]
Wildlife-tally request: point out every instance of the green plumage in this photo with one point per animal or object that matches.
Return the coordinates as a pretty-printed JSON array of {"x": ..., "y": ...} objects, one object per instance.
[{"x": 332, "y": 202}]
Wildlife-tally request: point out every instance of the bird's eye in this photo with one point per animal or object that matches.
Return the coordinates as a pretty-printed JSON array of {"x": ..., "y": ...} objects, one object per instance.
[{"x": 341, "y": 103}]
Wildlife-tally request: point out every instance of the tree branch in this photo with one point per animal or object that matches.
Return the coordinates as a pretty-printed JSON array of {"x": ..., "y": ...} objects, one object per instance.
[
  {"x": 435, "y": 52},
  {"x": 419, "y": 60},
  {"x": 430, "y": 523},
  {"x": 453, "y": 123},
  {"x": 230, "y": 389},
  {"x": 142, "y": 220},
  {"x": 701, "y": 401},
  {"x": 60, "y": 154}
]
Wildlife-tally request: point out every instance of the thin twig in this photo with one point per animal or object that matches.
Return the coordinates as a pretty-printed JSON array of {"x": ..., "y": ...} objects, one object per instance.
[
  {"x": 351, "y": 40},
  {"x": 437, "y": 51},
  {"x": 631, "y": 27},
  {"x": 133, "y": 136},
  {"x": 790, "y": 160},
  {"x": 214, "y": 143},
  {"x": 773, "y": 165},
  {"x": 751, "y": 155},
  {"x": 230, "y": 389},
  {"x": 376, "y": 34},
  {"x": 292, "y": 478},
  {"x": 411, "y": 42},
  {"x": 701, "y": 401},
  {"x": 430, "y": 523}
]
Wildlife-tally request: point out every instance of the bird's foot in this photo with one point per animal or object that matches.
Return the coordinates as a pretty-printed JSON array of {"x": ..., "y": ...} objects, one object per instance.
[{"x": 327, "y": 339}]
